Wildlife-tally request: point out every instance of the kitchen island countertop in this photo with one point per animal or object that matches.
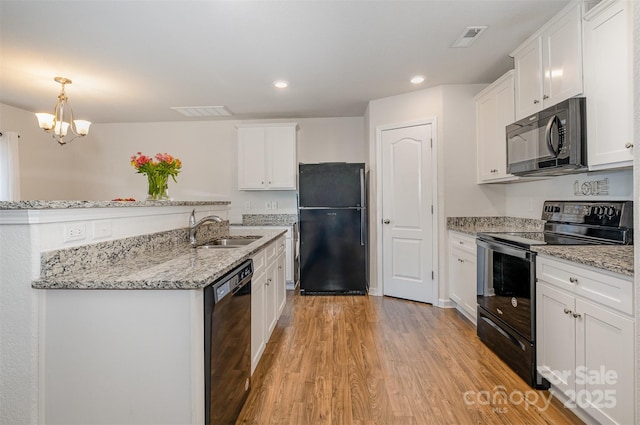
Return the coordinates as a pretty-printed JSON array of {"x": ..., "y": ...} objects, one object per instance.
[
  {"x": 43, "y": 205},
  {"x": 178, "y": 267}
]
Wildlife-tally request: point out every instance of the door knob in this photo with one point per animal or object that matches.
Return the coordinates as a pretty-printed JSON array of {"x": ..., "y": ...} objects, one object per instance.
[{"x": 386, "y": 221}]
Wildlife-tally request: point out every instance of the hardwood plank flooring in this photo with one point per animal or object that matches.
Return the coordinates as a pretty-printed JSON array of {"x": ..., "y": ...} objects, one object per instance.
[{"x": 360, "y": 360}]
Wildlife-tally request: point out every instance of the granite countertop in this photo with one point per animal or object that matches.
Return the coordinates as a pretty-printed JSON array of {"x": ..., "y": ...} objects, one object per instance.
[
  {"x": 617, "y": 259},
  {"x": 177, "y": 267},
  {"x": 43, "y": 205},
  {"x": 474, "y": 225},
  {"x": 268, "y": 220}
]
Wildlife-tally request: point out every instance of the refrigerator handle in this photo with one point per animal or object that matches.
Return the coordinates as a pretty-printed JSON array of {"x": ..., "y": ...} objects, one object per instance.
[
  {"x": 362, "y": 207},
  {"x": 362, "y": 224}
]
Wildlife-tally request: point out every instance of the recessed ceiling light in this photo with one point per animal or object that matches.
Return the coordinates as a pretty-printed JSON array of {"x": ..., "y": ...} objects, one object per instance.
[
  {"x": 417, "y": 79},
  {"x": 281, "y": 84}
]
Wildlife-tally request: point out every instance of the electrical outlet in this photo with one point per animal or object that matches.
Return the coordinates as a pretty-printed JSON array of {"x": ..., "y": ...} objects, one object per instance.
[
  {"x": 274, "y": 205},
  {"x": 101, "y": 229},
  {"x": 247, "y": 205},
  {"x": 267, "y": 205},
  {"x": 74, "y": 232}
]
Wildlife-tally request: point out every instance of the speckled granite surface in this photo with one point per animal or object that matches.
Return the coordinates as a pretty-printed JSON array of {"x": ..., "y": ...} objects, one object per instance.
[
  {"x": 43, "y": 205},
  {"x": 473, "y": 225},
  {"x": 269, "y": 219},
  {"x": 617, "y": 259},
  {"x": 163, "y": 261}
]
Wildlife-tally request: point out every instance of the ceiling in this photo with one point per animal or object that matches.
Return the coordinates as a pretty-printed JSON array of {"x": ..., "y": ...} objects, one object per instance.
[{"x": 131, "y": 61}]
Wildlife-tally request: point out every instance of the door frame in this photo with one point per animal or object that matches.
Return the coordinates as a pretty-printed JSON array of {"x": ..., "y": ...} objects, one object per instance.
[{"x": 434, "y": 193}]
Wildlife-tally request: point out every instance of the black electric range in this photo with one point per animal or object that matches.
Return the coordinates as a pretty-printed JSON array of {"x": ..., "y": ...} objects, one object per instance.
[{"x": 507, "y": 276}]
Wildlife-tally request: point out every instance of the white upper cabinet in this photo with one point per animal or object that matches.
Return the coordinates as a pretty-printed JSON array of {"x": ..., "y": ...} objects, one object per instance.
[
  {"x": 494, "y": 111},
  {"x": 267, "y": 157},
  {"x": 609, "y": 84},
  {"x": 548, "y": 66}
]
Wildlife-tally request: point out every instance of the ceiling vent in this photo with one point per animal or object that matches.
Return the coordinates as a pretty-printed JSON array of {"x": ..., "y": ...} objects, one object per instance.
[
  {"x": 203, "y": 111},
  {"x": 469, "y": 35}
]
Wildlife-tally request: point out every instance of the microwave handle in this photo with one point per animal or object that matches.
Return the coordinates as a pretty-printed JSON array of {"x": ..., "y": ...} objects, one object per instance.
[{"x": 547, "y": 134}]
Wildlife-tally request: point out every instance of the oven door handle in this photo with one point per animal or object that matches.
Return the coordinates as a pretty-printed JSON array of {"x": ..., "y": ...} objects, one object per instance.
[{"x": 503, "y": 249}]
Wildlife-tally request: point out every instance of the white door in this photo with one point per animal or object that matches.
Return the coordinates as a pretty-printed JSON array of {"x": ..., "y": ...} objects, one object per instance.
[{"x": 407, "y": 199}]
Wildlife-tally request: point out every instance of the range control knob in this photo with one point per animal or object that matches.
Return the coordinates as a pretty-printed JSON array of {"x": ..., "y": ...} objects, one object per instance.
[{"x": 611, "y": 211}]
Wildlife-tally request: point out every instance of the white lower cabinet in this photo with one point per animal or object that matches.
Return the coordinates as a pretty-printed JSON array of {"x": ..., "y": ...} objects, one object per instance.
[
  {"x": 281, "y": 296},
  {"x": 585, "y": 338},
  {"x": 462, "y": 274},
  {"x": 268, "y": 296}
]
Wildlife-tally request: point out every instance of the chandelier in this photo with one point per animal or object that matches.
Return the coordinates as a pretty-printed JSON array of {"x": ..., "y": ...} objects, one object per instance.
[{"x": 61, "y": 121}]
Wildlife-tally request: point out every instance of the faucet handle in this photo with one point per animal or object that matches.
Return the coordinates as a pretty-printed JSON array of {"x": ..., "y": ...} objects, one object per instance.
[{"x": 192, "y": 218}]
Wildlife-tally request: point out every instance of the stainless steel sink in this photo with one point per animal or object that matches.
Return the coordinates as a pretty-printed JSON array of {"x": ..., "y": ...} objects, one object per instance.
[
  {"x": 228, "y": 242},
  {"x": 233, "y": 241}
]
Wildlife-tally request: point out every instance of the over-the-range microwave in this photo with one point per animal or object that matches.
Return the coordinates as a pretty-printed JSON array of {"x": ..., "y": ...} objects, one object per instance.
[{"x": 551, "y": 142}]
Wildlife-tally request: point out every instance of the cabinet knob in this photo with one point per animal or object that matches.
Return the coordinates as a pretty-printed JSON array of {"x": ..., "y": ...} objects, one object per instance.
[
  {"x": 545, "y": 97},
  {"x": 577, "y": 315},
  {"x": 628, "y": 145},
  {"x": 461, "y": 242},
  {"x": 536, "y": 101},
  {"x": 573, "y": 279},
  {"x": 567, "y": 311},
  {"x": 386, "y": 221}
]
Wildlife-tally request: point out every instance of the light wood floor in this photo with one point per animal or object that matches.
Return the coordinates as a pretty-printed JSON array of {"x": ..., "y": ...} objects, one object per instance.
[{"x": 378, "y": 360}]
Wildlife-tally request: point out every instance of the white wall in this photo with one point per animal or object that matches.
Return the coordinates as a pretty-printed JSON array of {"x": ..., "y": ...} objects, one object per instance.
[
  {"x": 525, "y": 199},
  {"x": 97, "y": 167},
  {"x": 45, "y": 167}
]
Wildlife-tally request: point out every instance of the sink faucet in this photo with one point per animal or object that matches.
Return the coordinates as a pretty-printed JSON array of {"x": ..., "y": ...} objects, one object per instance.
[{"x": 193, "y": 226}]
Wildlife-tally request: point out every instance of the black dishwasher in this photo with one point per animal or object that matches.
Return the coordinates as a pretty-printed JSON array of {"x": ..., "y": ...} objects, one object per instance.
[{"x": 227, "y": 344}]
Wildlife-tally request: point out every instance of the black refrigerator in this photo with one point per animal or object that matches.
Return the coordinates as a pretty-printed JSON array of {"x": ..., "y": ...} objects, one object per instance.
[{"x": 332, "y": 215}]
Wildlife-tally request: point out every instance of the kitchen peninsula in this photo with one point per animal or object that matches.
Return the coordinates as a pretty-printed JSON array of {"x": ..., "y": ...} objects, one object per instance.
[{"x": 117, "y": 332}]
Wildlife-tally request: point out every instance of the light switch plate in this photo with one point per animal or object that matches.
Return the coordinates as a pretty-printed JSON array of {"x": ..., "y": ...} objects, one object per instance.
[{"x": 102, "y": 229}]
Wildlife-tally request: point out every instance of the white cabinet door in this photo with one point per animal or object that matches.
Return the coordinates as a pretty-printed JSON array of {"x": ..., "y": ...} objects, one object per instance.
[
  {"x": 549, "y": 66},
  {"x": 555, "y": 333},
  {"x": 494, "y": 111},
  {"x": 267, "y": 157},
  {"x": 463, "y": 274},
  {"x": 281, "y": 284},
  {"x": 281, "y": 157},
  {"x": 251, "y": 158},
  {"x": 605, "y": 385},
  {"x": 528, "y": 79},
  {"x": 258, "y": 340},
  {"x": 562, "y": 58},
  {"x": 271, "y": 300},
  {"x": 609, "y": 85}
]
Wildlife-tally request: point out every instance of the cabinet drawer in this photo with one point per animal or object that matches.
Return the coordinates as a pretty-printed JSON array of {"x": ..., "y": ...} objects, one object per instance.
[
  {"x": 259, "y": 262},
  {"x": 462, "y": 241},
  {"x": 603, "y": 288}
]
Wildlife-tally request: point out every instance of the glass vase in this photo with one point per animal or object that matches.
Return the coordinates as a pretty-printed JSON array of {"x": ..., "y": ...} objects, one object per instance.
[{"x": 158, "y": 189}]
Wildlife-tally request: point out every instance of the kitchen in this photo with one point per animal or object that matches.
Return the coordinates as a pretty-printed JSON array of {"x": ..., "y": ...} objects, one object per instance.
[{"x": 101, "y": 159}]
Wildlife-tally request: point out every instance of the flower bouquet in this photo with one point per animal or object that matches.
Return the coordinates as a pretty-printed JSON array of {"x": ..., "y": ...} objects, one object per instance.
[{"x": 157, "y": 169}]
